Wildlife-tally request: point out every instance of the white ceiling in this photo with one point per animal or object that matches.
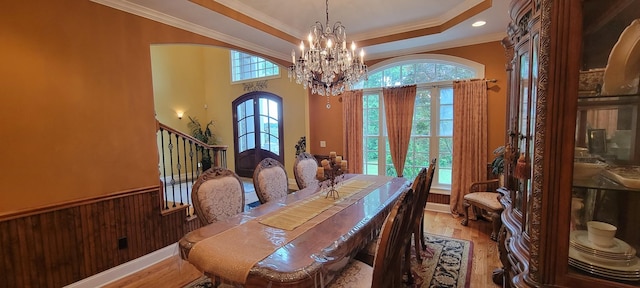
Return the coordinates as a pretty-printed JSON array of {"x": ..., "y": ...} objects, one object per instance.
[{"x": 425, "y": 21}]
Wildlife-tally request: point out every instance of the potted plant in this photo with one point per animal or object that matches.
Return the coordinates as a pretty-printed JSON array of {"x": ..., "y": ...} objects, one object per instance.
[
  {"x": 205, "y": 135},
  {"x": 301, "y": 146},
  {"x": 497, "y": 165}
]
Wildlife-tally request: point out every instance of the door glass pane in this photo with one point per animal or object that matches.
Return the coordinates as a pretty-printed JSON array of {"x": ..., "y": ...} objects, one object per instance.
[
  {"x": 250, "y": 125},
  {"x": 248, "y": 107},
  {"x": 273, "y": 144},
  {"x": 264, "y": 124},
  {"x": 242, "y": 143},
  {"x": 264, "y": 141},
  {"x": 251, "y": 140},
  {"x": 269, "y": 140},
  {"x": 240, "y": 110}
]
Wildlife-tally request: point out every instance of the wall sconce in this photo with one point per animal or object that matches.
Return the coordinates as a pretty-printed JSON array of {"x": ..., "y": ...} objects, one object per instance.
[{"x": 180, "y": 114}]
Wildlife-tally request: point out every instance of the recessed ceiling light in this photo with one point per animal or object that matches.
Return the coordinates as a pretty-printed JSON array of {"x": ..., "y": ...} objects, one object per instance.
[{"x": 478, "y": 23}]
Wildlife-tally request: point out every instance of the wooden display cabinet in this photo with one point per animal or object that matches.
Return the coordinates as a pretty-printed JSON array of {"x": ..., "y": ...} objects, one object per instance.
[{"x": 551, "y": 128}]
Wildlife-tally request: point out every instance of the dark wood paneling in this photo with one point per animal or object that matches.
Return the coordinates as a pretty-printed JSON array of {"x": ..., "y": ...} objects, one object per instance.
[
  {"x": 58, "y": 247},
  {"x": 439, "y": 198}
]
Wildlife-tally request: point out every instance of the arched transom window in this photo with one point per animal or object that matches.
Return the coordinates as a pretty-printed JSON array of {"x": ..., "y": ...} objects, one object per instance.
[{"x": 432, "y": 132}]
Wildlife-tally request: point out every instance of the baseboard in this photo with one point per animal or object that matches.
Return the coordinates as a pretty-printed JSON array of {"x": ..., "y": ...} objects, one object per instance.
[
  {"x": 126, "y": 269},
  {"x": 437, "y": 207}
]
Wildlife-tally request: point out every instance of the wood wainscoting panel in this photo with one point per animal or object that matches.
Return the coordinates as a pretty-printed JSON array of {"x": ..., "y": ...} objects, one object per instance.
[
  {"x": 439, "y": 198},
  {"x": 58, "y": 247}
]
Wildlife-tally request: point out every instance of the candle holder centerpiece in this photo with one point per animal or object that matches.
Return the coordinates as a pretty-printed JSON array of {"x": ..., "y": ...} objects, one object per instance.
[{"x": 331, "y": 173}]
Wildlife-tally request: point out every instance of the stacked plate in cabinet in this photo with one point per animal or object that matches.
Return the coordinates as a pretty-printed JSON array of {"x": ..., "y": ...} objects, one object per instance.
[{"x": 617, "y": 262}]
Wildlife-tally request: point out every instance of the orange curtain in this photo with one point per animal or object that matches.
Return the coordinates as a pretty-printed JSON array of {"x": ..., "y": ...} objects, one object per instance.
[
  {"x": 398, "y": 108},
  {"x": 352, "y": 130},
  {"x": 469, "y": 140}
]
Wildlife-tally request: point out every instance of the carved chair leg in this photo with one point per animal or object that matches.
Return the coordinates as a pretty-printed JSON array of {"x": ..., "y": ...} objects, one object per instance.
[
  {"x": 466, "y": 205},
  {"x": 416, "y": 243},
  {"x": 407, "y": 263},
  {"x": 422, "y": 241},
  {"x": 497, "y": 222}
]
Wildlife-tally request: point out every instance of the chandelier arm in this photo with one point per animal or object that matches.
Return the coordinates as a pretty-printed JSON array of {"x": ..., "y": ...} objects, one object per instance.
[{"x": 326, "y": 5}]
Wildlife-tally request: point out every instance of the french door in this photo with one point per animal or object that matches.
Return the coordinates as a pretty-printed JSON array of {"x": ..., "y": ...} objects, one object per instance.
[{"x": 257, "y": 130}]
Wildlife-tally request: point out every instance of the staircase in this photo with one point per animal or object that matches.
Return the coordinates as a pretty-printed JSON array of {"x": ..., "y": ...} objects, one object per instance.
[{"x": 180, "y": 165}]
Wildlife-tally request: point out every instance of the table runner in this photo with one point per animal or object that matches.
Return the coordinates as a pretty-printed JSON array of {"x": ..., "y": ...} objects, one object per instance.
[
  {"x": 291, "y": 217},
  {"x": 220, "y": 252}
]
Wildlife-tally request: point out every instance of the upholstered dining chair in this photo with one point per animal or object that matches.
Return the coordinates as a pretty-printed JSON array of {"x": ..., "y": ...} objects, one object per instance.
[
  {"x": 270, "y": 180},
  {"x": 421, "y": 202},
  {"x": 387, "y": 270},
  {"x": 483, "y": 198},
  {"x": 420, "y": 196},
  {"x": 217, "y": 194},
  {"x": 421, "y": 186},
  {"x": 305, "y": 169}
]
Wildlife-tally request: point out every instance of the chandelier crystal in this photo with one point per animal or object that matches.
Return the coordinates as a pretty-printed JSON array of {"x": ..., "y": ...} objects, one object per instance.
[{"x": 327, "y": 66}]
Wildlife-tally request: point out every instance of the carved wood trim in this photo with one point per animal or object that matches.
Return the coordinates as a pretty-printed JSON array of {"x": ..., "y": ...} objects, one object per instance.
[
  {"x": 75, "y": 203},
  {"x": 560, "y": 38}
]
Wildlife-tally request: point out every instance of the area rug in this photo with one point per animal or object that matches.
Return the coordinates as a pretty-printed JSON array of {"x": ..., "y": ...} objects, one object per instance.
[{"x": 447, "y": 263}]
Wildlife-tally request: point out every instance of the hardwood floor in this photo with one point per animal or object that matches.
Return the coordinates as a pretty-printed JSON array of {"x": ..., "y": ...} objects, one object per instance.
[{"x": 175, "y": 272}]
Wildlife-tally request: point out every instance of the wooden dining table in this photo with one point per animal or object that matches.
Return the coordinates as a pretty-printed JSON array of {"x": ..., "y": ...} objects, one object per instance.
[{"x": 302, "y": 240}]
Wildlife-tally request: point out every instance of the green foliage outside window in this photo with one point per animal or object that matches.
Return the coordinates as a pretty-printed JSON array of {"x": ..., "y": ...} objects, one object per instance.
[{"x": 424, "y": 130}]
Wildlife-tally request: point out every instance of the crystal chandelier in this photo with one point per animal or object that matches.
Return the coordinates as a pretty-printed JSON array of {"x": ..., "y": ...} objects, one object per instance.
[{"x": 327, "y": 67}]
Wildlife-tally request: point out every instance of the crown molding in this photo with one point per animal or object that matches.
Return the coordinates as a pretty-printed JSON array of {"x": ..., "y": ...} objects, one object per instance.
[
  {"x": 462, "y": 9},
  {"x": 154, "y": 15},
  {"x": 440, "y": 46}
]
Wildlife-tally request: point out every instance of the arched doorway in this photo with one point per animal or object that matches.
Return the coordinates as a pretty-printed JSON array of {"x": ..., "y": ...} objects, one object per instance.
[{"x": 257, "y": 130}]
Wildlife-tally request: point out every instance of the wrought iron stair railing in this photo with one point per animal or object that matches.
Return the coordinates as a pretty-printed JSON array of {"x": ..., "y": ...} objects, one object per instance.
[{"x": 181, "y": 162}]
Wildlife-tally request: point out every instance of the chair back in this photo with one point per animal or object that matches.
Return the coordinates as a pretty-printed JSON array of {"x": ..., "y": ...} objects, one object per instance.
[
  {"x": 427, "y": 184},
  {"x": 419, "y": 187},
  {"x": 387, "y": 265},
  {"x": 270, "y": 180},
  {"x": 305, "y": 169},
  {"x": 422, "y": 187},
  {"x": 217, "y": 194}
]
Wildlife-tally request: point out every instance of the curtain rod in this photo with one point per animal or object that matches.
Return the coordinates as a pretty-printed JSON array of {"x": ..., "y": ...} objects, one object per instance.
[{"x": 487, "y": 80}]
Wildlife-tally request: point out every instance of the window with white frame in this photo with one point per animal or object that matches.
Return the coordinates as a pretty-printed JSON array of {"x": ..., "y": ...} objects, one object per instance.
[
  {"x": 249, "y": 67},
  {"x": 432, "y": 131}
]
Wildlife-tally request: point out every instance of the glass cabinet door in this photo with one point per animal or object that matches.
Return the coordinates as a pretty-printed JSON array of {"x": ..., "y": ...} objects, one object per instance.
[
  {"x": 523, "y": 129},
  {"x": 531, "y": 129},
  {"x": 604, "y": 235}
]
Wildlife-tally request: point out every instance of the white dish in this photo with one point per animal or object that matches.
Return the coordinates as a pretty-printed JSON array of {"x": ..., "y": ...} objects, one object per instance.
[
  {"x": 583, "y": 170},
  {"x": 606, "y": 256},
  {"x": 633, "y": 268},
  {"x": 628, "y": 176},
  {"x": 622, "y": 73},
  {"x": 598, "y": 272},
  {"x": 580, "y": 238}
]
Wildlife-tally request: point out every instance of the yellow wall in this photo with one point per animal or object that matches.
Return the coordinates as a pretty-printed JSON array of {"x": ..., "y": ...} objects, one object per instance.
[
  {"x": 178, "y": 84},
  {"x": 188, "y": 77}
]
